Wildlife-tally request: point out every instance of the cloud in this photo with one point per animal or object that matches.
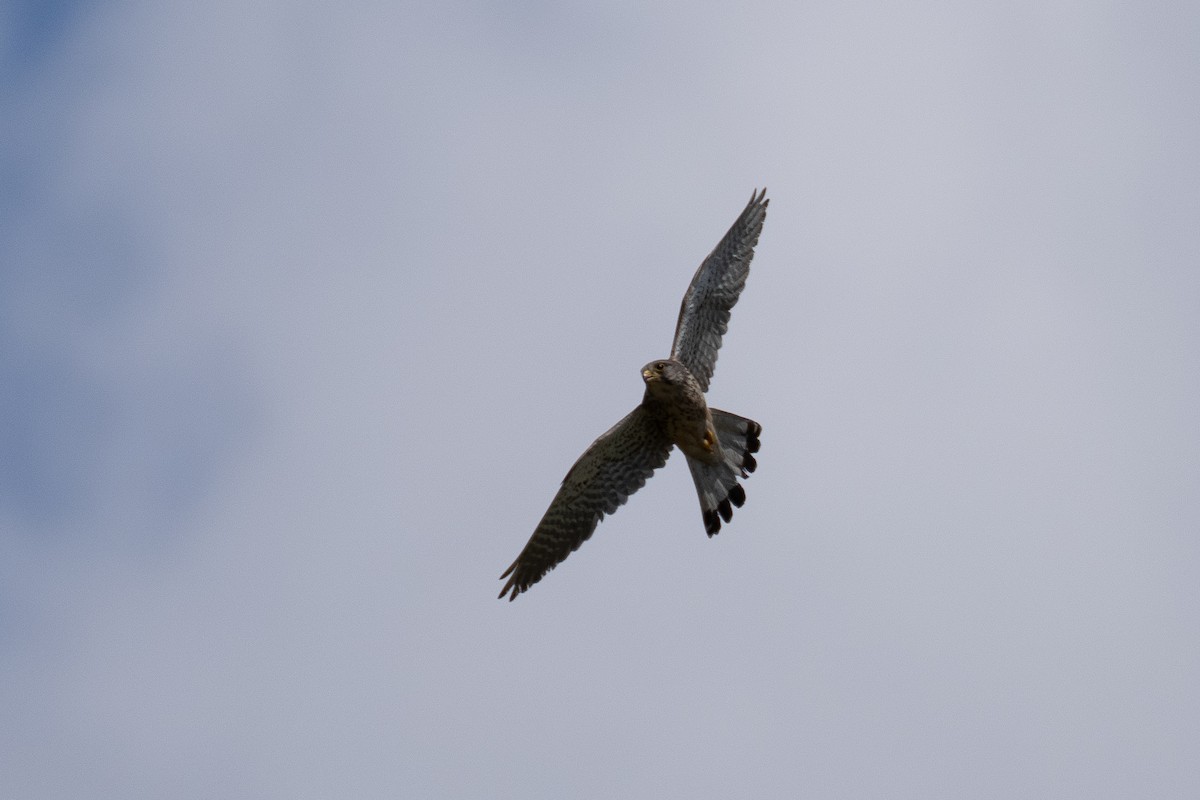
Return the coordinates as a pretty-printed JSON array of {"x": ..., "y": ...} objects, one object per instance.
[{"x": 305, "y": 316}]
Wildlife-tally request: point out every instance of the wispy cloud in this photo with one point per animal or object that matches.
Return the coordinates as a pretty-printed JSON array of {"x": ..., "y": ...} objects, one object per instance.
[{"x": 304, "y": 315}]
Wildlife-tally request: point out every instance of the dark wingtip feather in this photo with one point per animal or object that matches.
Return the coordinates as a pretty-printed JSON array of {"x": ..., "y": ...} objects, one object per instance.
[
  {"x": 511, "y": 589},
  {"x": 712, "y": 522},
  {"x": 737, "y": 495},
  {"x": 752, "y": 432},
  {"x": 725, "y": 509}
]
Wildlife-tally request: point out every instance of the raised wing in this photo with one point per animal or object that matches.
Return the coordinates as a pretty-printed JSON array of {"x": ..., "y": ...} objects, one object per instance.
[
  {"x": 704, "y": 314},
  {"x": 615, "y": 466}
]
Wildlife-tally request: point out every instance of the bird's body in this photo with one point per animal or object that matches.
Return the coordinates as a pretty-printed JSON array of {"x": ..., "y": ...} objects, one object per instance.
[
  {"x": 674, "y": 412},
  {"x": 671, "y": 387}
]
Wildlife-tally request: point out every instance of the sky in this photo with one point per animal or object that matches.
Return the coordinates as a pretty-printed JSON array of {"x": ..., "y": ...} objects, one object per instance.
[{"x": 305, "y": 312}]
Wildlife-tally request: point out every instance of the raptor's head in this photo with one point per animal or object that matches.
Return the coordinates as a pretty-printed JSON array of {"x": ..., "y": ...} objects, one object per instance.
[{"x": 665, "y": 371}]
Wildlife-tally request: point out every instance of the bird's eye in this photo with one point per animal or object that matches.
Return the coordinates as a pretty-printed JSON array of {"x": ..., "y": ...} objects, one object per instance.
[{"x": 660, "y": 365}]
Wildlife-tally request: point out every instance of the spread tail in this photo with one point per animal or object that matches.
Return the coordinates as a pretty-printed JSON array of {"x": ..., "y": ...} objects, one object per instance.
[{"x": 717, "y": 484}]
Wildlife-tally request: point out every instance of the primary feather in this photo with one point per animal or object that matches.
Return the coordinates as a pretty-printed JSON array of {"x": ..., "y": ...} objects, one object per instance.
[{"x": 715, "y": 288}]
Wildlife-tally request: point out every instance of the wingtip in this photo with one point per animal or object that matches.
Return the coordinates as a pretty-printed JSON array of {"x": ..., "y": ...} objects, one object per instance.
[
  {"x": 512, "y": 583},
  {"x": 511, "y": 589},
  {"x": 758, "y": 204}
]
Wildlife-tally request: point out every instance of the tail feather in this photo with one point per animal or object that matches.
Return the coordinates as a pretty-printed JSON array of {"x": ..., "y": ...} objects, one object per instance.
[{"x": 717, "y": 484}]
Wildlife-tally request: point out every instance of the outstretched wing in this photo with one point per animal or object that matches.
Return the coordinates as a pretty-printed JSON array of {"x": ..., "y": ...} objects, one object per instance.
[
  {"x": 704, "y": 314},
  {"x": 614, "y": 467}
]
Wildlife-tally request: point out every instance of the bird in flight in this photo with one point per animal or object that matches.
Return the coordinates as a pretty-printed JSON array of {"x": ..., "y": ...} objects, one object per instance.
[{"x": 719, "y": 446}]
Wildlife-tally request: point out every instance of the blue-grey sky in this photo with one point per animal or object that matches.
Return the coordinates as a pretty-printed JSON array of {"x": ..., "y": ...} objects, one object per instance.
[{"x": 304, "y": 313}]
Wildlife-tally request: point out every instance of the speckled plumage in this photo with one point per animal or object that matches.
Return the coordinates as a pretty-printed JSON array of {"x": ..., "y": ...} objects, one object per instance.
[{"x": 719, "y": 446}]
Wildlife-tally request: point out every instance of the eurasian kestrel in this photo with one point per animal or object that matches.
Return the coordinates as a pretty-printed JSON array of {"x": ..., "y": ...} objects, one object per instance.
[{"x": 719, "y": 446}]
